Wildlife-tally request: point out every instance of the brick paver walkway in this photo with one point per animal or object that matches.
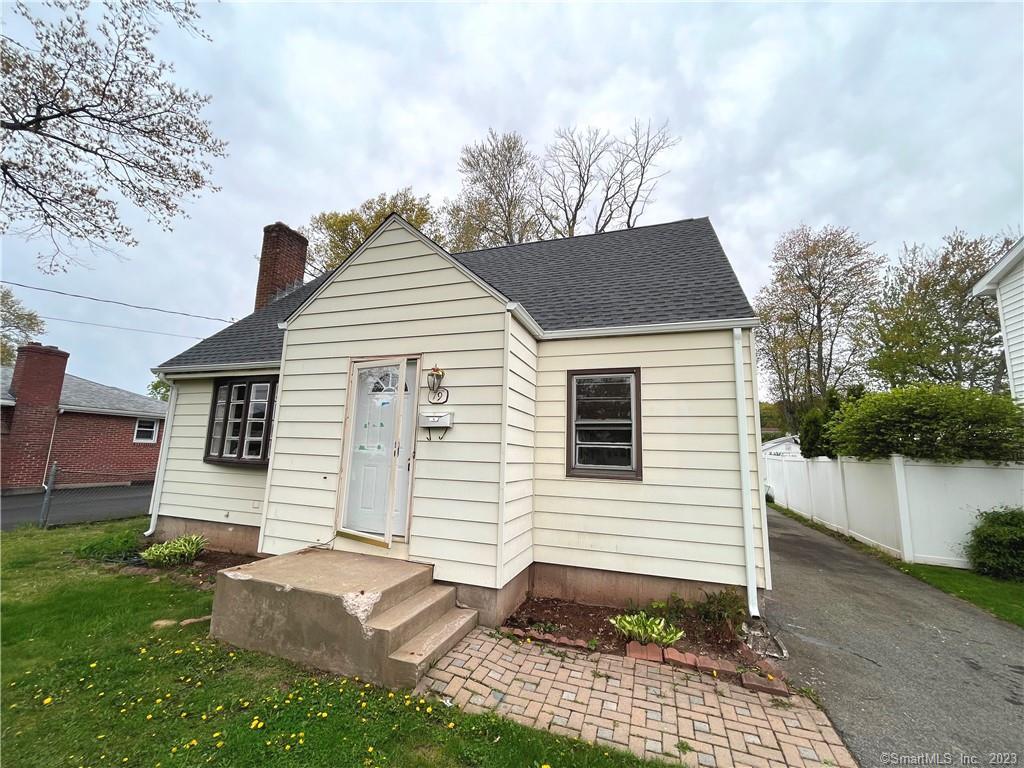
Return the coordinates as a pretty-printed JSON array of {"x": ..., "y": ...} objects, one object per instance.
[{"x": 648, "y": 708}]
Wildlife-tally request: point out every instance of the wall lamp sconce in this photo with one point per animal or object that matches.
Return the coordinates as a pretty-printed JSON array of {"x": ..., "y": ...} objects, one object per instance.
[{"x": 436, "y": 393}]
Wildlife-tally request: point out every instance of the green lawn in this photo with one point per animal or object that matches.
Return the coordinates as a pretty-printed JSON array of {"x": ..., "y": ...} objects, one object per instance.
[
  {"x": 1004, "y": 599},
  {"x": 88, "y": 682}
]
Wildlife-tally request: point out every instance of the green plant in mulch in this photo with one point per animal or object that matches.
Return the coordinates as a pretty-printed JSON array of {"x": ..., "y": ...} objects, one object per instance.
[
  {"x": 110, "y": 548},
  {"x": 178, "y": 551},
  {"x": 995, "y": 546},
  {"x": 645, "y": 628},
  {"x": 719, "y": 614},
  {"x": 548, "y": 627}
]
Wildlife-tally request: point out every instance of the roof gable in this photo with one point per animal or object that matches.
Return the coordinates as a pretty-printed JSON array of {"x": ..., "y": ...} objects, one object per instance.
[
  {"x": 391, "y": 223},
  {"x": 990, "y": 280}
]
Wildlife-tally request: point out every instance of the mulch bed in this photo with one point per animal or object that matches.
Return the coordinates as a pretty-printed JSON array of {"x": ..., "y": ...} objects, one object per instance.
[
  {"x": 585, "y": 622},
  {"x": 205, "y": 568},
  {"x": 201, "y": 574}
]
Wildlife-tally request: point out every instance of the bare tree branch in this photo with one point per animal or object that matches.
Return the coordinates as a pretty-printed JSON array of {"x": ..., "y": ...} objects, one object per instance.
[{"x": 91, "y": 117}]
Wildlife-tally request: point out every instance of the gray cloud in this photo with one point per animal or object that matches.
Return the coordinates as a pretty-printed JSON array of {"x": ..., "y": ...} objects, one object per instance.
[{"x": 899, "y": 120}]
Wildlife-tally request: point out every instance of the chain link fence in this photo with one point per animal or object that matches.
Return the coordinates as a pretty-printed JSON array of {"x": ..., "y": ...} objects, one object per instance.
[{"x": 78, "y": 496}]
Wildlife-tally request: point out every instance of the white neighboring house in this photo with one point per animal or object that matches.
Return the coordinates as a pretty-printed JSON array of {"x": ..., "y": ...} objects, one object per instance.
[
  {"x": 787, "y": 445},
  {"x": 595, "y": 434},
  {"x": 1005, "y": 281}
]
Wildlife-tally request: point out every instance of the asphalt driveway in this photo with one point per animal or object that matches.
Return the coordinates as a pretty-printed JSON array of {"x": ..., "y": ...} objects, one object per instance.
[
  {"x": 76, "y": 505},
  {"x": 902, "y": 668}
]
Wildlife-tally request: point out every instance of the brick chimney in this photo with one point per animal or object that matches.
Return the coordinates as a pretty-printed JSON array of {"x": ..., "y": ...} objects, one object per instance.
[
  {"x": 36, "y": 386},
  {"x": 282, "y": 263}
]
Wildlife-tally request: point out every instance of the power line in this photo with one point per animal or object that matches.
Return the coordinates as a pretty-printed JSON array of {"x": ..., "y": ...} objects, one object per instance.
[
  {"x": 120, "y": 327},
  {"x": 121, "y": 303}
]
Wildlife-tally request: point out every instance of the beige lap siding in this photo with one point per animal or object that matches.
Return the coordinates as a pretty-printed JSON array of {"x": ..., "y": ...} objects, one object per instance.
[
  {"x": 521, "y": 410},
  {"x": 684, "y": 519},
  {"x": 1011, "y": 308},
  {"x": 196, "y": 490},
  {"x": 397, "y": 298}
]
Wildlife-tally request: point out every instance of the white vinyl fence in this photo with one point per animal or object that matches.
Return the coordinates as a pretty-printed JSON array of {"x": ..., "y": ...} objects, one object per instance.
[{"x": 918, "y": 511}]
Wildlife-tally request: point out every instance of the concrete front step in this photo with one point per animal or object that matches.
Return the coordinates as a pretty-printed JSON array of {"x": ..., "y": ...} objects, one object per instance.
[
  {"x": 406, "y": 666},
  {"x": 380, "y": 618},
  {"x": 399, "y": 624}
]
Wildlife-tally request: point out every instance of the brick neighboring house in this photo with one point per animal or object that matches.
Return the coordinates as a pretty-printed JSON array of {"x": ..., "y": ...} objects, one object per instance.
[{"x": 98, "y": 435}]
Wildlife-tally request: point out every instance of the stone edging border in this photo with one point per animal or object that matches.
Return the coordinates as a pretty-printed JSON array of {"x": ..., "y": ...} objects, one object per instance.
[{"x": 768, "y": 680}]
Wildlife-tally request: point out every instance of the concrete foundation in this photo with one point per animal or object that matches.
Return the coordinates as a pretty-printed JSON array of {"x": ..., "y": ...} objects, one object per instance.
[
  {"x": 222, "y": 537},
  {"x": 595, "y": 587},
  {"x": 494, "y": 605}
]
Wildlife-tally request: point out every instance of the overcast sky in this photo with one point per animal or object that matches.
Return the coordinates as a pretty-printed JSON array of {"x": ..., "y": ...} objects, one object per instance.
[{"x": 900, "y": 121}]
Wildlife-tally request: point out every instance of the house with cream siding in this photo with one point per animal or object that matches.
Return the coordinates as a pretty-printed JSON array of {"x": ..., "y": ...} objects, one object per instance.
[
  {"x": 573, "y": 418},
  {"x": 1005, "y": 282}
]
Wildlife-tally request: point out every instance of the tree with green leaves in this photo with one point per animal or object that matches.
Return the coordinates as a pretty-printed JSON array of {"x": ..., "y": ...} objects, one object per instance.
[
  {"x": 92, "y": 120},
  {"x": 822, "y": 283},
  {"x": 333, "y": 235},
  {"x": 18, "y": 325},
  {"x": 496, "y": 205},
  {"x": 159, "y": 389},
  {"x": 926, "y": 326}
]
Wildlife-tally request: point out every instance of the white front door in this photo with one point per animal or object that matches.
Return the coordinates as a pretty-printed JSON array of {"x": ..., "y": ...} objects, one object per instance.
[{"x": 379, "y": 448}]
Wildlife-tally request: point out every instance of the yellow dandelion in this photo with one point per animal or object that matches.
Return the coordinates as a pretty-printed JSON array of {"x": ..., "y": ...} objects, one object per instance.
[
  {"x": 149, "y": 717},
  {"x": 429, "y": 710},
  {"x": 363, "y": 704},
  {"x": 216, "y": 734},
  {"x": 220, "y": 744},
  {"x": 48, "y": 700},
  {"x": 391, "y": 694},
  {"x": 287, "y": 747},
  {"x": 369, "y": 749},
  {"x": 93, "y": 665},
  {"x": 451, "y": 725}
]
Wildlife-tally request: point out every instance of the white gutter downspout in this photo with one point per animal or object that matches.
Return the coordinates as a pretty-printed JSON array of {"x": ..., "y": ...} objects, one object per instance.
[
  {"x": 161, "y": 464},
  {"x": 745, "y": 487}
]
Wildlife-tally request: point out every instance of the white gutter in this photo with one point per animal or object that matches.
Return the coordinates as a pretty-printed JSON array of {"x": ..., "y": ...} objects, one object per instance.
[
  {"x": 112, "y": 412},
  {"x": 745, "y": 488},
  {"x": 161, "y": 464},
  {"x": 221, "y": 367},
  {"x": 524, "y": 317}
]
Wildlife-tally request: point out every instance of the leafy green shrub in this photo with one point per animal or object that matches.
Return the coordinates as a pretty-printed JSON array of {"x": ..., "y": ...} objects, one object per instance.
[
  {"x": 183, "y": 549},
  {"x": 995, "y": 546},
  {"x": 643, "y": 628},
  {"x": 722, "y": 613},
  {"x": 112, "y": 547},
  {"x": 814, "y": 440},
  {"x": 930, "y": 421}
]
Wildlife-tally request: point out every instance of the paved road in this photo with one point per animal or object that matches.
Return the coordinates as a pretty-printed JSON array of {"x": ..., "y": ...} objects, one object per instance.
[
  {"x": 76, "y": 505},
  {"x": 900, "y": 666}
]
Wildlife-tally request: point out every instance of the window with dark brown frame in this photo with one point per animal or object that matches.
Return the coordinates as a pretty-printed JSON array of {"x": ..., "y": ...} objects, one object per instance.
[
  {"x": 603, "y": 424},
  {"x": 240, "y": 420}
]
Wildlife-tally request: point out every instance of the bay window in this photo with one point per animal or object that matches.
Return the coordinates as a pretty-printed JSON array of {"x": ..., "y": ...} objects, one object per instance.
[{"x": 240, "y": 421}]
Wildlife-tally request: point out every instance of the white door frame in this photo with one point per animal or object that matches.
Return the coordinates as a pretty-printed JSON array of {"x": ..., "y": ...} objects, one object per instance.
[{"x": 346, "y": 458}]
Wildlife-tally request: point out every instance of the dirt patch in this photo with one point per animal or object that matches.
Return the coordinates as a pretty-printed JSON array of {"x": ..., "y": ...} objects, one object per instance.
[
  {"x": 591, "y": 623},
  {"x": 204, "y": 570}
]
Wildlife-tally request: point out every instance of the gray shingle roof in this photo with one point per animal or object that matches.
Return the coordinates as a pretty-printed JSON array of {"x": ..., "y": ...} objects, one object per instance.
[
  {"x": 253, "y": 339},
  {"x": 85, "y": 395},
  {"x": 662, "y": 273}
]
